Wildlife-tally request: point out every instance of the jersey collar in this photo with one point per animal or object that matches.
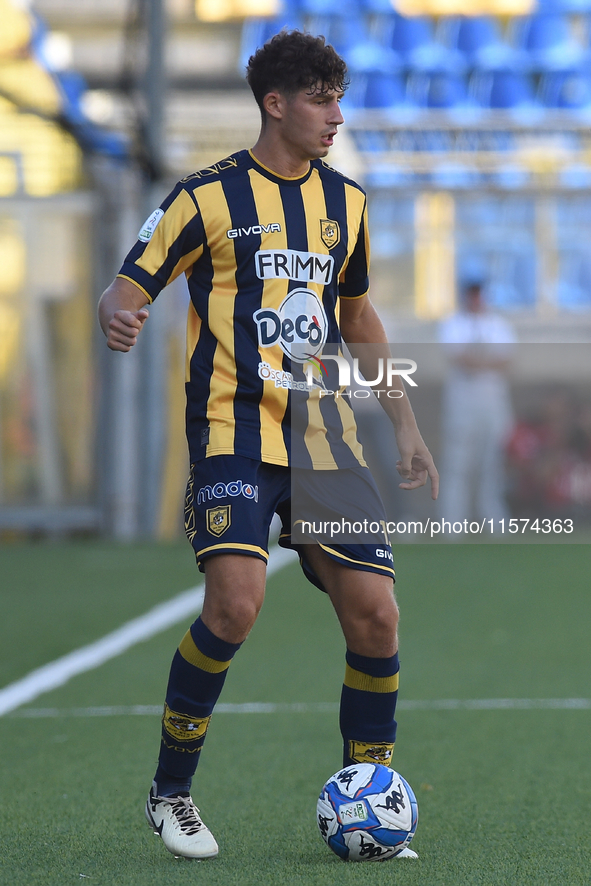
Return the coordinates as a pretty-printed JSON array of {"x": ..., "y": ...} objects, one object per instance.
[{"x": 274, "y": 176}]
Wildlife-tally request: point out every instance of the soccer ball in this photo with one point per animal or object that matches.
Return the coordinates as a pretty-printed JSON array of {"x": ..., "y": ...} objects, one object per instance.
[{"x": 367, "y": 812}]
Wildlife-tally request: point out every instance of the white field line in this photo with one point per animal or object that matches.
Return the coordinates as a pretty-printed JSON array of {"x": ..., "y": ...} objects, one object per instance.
[
  {"x": 153, "y": 622},
  {"x": 321, "y": 707}
]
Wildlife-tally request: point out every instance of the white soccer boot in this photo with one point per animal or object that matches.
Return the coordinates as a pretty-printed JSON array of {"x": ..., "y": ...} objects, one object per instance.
[
  {"x": 407, "y": 853},
  {"x": 178, "y": 822}
]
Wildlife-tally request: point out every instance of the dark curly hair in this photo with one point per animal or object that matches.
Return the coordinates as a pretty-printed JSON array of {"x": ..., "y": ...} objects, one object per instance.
[{"x": 291, "y": 61}]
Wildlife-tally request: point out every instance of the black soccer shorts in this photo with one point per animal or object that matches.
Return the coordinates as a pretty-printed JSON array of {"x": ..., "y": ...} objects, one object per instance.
[{"x": 230, "y": 503}]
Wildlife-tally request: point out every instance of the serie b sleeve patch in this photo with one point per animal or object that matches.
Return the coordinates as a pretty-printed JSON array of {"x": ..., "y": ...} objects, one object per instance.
[{"x": 150, "y": 225}]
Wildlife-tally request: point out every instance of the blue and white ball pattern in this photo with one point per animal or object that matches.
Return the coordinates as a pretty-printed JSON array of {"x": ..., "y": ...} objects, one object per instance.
[{"x": 367, "y": 812}]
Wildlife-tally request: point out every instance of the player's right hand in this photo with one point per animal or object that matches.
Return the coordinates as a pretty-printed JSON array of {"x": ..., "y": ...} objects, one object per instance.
[{"x": 124, "y": 328}]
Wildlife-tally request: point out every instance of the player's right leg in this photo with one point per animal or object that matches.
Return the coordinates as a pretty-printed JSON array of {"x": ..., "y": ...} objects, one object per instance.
[
  {"x": 229, "y": 507},
  {"x": 234, "y": 592}
]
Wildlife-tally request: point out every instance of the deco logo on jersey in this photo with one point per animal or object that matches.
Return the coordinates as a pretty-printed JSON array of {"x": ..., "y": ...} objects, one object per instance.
[
  {"x": 222, "y": 490},
  {"x": 299, "y": 327},
  {"x": 219, "y": 519},
  {"x": 330, "y": 233},
  {"x": 289, "y": 264}
]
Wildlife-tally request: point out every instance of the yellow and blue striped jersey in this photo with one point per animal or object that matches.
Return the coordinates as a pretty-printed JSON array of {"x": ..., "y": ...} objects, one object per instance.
[{"x": 266, "y": 259}]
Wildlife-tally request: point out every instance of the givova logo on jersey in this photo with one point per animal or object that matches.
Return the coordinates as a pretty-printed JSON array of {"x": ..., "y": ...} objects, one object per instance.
[{"x": 299, "y": 327}]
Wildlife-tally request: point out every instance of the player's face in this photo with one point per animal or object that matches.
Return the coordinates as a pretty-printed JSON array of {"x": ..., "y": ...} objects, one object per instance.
[{"x": 311, "y": 122}]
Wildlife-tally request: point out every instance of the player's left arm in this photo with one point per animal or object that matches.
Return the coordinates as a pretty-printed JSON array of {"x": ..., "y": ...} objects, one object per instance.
[{"x": 364, "y": 333}]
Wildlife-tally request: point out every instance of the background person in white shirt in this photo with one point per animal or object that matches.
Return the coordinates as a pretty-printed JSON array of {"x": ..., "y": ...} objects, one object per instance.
[{"x": 476, "y": 410}]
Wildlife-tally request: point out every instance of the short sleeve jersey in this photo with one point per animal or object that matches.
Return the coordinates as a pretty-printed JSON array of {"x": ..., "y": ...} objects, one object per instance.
[{"x": 266, "y": 259}]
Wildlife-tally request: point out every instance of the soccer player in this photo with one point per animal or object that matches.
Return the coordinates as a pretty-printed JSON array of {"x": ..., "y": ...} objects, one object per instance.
[{"x": 273, "y": 243}]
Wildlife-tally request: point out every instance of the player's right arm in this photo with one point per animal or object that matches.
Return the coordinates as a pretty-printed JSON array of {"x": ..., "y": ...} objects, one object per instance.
[{"x": 122, "y": 313}]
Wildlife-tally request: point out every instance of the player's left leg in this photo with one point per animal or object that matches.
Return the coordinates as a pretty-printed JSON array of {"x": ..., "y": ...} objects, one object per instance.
[{"x": 365, "y": 605}]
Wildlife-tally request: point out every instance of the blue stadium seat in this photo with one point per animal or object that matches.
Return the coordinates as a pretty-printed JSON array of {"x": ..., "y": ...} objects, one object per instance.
[
  {"x": 384, "y": 91},
  {"x": 329, "y": 7},
  {"x": 479, "y": 39},
  {"x": 341, "y": 31},
  {"x": 548, "y": 41},
  {"x": 377, "y": 6},
  {"x": 576, "y": 6},
  {"x": 256, "y": 32},
  {"x": 504, "y": 90},
  {"x": 574, "y": 284},
  {"x": 576, "y": 177},
  {"x": 413, "y": 39},
  {"x": 476, "y": 32},
  {"x": 454, "y": 175},
  {"x": 376, "y": 90},
  {"x": 370, "y": 56},
  {"x": 438, "y": 90},
  {"x": 566, "y": 89}
]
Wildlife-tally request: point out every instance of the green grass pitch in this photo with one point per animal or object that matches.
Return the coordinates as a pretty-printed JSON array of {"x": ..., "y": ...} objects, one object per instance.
[{"x": 504, "y": 795}]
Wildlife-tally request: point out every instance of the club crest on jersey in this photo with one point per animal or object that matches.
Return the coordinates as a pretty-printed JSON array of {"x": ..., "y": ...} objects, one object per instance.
[
  {"x": 299, "y": 327},
  {"x": 330, "y": 233},
  {"x": 218, "y": 519}
]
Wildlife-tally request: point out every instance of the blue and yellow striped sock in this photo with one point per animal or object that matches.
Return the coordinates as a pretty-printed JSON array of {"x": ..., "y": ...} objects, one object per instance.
[
  {"x": 197, "y": 675},
  {"x": 368, "y": 704}
]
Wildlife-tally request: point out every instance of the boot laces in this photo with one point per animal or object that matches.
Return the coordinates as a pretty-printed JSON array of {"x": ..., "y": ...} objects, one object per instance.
[{"x": 187, "y": 815}]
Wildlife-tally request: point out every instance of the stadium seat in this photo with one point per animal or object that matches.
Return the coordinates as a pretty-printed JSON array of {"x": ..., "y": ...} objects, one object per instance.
[
  {"x": 575, "y": 176},
  {"x": 329, "y": 7},
  {"x": 256, "y": 32},
  {"x": 413, "y": 39},
  {"x": 479, "y": 39},
  {"x": 574, "y": 284},
  {"x": 454, "y": 175},
  {"x": 377, "y": 6},
  {"x": 510, "y": 177},
  {"x": 566, "y": 89},
  {"x": 548, "y": 41},
  {"x": 475, "y": 33},
  {"x": 383, "y": 91},
  {"x": 503, "y": 90},
  {"x": 438, "y": 90},
  {"x": 573, "y": 6},
  {"x": 375, "y": 90},
  {"x": 369, "y": 56},
  {"x": 341, "y": 31}
]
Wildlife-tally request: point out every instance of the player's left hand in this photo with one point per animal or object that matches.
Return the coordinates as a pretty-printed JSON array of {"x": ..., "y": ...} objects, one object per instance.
[{"x": 416, "y": 465}]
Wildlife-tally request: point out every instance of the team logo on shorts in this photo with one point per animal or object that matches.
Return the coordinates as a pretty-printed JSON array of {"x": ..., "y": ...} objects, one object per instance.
[
  {"x": 218, "y": 519},
  {"x": 330, "y": 232}
]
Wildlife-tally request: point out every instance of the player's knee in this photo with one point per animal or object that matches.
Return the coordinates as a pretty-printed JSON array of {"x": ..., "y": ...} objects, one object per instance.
[
  {"x": 385, "y": 619},
  {"x": 233, "y": 618},
  {"x": 372, "y": 630}
]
